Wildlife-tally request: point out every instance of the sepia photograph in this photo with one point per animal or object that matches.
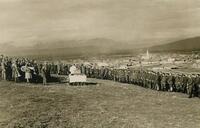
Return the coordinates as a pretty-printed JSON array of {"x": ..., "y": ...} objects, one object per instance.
[{"x": 99, "y": 64}]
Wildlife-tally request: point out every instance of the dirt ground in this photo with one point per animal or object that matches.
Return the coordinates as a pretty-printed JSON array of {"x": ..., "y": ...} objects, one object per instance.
[{"x": 105, "y": 105}]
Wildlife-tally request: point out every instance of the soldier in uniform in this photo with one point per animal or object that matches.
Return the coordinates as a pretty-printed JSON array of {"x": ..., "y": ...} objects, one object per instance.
[
  {"x": 92, "y": 71},
  {"x": 87, "y": 71},
  {"x": 134, "y": 77},
  {"x": 150, "y": 79},
  {"x": 48, "y": 73},
  {"x": 190, "y": 85},
  {"x": 66, "y": 70},
  {"x": 138, "y": 74},
  {"x": 131, "y": 76},
  {"x": 144, "y": 77},
  {"x": 105, "y": 74},
  {"x": 122, "y": 75},
  {"x": 171, "y": 83},
  {"x": 9, "y": 70},
  {"x": 127, "y": 75},
  {"x": 119, "y": 74},
  {"x": 138, "y": 78},
  {"x": 163, "y": 82},
  {"x": 110, "y": 75},
  {"x": 179, "y": 88},
  {"x": 98, "y": 73},
  {"x": 58, "y": 67},
  {"x": 141, "y": 77},
  {"x": 184, "y": 82},
  {"x": 154, "y": 80},
  {"x": 95, "y": 71},
  {"x": 158, "y": 81},
  {"x": 115, "y": 74},
  {"x": 198, "y": 85},
  {"x": 35, "y": 72},
  {"x": 53, "y": 69}
]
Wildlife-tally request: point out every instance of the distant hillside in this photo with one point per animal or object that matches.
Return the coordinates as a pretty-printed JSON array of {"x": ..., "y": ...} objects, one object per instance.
[
  {"x": 190, "y": 44},
  {"x": 70, "y": 48}
]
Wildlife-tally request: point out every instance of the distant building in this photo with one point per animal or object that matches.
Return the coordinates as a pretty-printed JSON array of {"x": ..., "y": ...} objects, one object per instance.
[
  {"x": 171, "y": 60},
  {"x": 146, "y": 56},
  {"x": 196, "y": 65}
]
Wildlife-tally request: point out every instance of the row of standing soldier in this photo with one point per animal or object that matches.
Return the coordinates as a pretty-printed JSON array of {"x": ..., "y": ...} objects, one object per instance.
[{"x": 156, "y": 80}]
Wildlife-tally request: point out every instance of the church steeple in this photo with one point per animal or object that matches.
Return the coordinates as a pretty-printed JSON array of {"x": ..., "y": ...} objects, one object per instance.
[{"x": 147, "y": 56}]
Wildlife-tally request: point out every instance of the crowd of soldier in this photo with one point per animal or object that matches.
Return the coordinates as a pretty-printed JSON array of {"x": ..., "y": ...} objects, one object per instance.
[{"x": 156, "y": 80}]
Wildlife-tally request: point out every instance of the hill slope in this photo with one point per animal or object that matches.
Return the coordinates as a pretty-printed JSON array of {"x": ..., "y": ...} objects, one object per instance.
[
  {"x": 105, "y": 105},
  {"x": 190, "y": 44}
]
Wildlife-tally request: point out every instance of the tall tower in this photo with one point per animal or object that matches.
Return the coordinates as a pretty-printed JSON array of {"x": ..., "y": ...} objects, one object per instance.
[{"x": 148, "y": 57}]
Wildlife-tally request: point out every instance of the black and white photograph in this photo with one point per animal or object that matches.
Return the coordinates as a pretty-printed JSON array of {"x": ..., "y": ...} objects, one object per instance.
[{"x": 99, "y": 64}]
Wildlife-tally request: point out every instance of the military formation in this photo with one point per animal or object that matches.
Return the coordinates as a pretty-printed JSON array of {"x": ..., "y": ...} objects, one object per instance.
[
  {"x": 155, "y": 80},
  {"x": 26, "y": 70}
]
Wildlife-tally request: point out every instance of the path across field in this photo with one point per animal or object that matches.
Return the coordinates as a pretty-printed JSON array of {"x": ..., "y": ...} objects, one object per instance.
[{"x": 105, "y": 105}]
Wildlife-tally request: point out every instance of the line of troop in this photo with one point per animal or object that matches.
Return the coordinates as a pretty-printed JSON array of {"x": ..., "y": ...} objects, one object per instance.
[{"x": 156, "y": 80}]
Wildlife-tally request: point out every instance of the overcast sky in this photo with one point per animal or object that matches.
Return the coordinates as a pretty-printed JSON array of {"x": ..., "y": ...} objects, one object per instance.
[{"x": 147, "y": 21}]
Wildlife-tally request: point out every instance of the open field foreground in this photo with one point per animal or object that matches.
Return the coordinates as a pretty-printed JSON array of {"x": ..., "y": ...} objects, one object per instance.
[{"x": 105, "y": 105}]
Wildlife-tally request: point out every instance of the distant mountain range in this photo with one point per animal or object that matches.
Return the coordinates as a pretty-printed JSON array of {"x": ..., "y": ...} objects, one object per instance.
[
  {"x": 185, "y": 45},
  {"x": 94, "y": 47},
  {"x": 91, "y": 47}
]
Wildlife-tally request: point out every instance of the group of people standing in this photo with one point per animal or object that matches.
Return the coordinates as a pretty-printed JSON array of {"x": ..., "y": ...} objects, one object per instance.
[
  {"x": 19, "y": 70},
  {"x": 23, "y": 70}
]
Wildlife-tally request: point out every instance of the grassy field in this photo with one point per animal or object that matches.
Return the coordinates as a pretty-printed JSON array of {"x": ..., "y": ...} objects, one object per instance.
[{"x": 105, "y": 105}]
